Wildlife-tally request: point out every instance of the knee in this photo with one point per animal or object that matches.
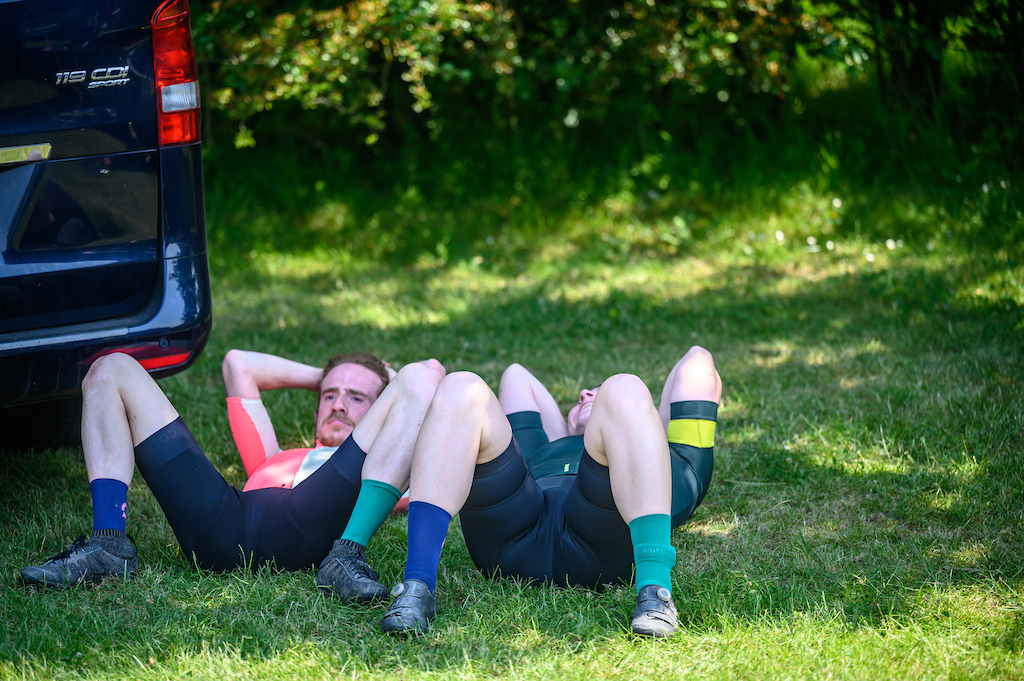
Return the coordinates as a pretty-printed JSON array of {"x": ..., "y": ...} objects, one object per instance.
[
  {"x": 514, "y": 372},
  {"x": 698, "y": 358},
  {"x": 111, "y": 371},
  {"x": 622, "y": 393},
  {"x": 436, "y": 367},
  {"x": 697, "y": 377},
  {"x": 463, "y": 391},
  {"x": 420, "y": 378}
]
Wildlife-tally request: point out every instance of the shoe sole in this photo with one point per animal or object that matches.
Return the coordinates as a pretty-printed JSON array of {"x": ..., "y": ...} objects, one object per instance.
[
  {"x": 329, "y": 590},
  {"x": 43, "y": 583}
]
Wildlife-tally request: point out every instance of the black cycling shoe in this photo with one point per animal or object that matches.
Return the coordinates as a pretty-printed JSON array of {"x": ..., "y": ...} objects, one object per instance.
[
  {"x": 107, "y": 553},
  {"x": 655, "y": 613},
  {"x": 346, "y": 574},
  {"x": 412, "y": 610}
]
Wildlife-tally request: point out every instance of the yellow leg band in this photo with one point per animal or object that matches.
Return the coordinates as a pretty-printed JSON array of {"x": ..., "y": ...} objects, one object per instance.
[{"x": 693, "y": 432}]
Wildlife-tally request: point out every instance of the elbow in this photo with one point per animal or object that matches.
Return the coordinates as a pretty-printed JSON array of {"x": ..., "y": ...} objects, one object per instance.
[{"x": 232, "y": 369}]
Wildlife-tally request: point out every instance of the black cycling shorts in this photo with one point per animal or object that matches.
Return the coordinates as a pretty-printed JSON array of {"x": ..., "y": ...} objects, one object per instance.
[
  {"x": 566, "y": 529},
  {"x": 563, "y": 529},
  {"x": 221, "y": 527}
]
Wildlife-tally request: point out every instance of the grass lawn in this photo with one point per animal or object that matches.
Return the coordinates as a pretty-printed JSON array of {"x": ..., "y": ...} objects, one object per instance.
[{"x": 864, "y": 520}]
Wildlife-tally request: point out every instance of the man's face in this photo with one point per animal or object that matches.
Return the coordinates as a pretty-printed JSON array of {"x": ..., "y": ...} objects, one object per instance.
[
  {"x": 345, "y": 396},
  {"x": 579, "y": 415}
]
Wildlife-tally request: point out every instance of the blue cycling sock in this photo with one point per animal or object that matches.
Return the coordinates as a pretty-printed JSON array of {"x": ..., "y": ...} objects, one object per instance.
[
  {"x": 109, "y": 504},
  {"x": 428, "y": 527}
]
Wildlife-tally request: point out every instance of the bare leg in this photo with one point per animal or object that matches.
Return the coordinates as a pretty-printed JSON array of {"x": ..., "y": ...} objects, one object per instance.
[
  {"x": 625, "y": 434},
  {"x": 694, "y": 377},
  {"x": 122, "y": 406},
  {"x": 464, "y": 426},
  {"x": 388, "y": 431},
  {"x": 626, "y": 430}
]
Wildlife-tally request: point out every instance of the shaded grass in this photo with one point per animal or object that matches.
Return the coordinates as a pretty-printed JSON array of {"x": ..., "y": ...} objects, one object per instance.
[
  {"x": 863, "y": 522},
  {"x": 859, "y": 282},
  {"x": 834, "y": 164}
]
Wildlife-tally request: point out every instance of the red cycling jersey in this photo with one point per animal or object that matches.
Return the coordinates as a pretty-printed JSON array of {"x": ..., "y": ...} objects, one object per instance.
[{"x": 266, "y": 464}]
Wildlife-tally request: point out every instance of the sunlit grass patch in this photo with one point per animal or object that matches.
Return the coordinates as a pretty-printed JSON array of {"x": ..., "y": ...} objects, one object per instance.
[{"x": 863, "y": 519}]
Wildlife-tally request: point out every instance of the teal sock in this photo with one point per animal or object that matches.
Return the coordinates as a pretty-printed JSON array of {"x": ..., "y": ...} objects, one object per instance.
[
  {"x": 375, "y": 502},
  {"x": 653, "y": 554}
]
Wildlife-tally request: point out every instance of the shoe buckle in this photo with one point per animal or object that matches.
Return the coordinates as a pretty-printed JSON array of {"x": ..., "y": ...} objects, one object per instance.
[
  {"x": 398, "y": 590},
  {"x": 664, "y": 594}
]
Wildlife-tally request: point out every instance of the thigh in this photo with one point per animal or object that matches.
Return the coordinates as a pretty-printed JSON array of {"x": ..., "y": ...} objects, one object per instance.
[
  {"x": 505, "y": 504},
  {"x": 595, "y": 547},
  {"x": 194, "y": 497},
  {"x": 297, "y": 528},
  {"x": 691, "y": 476},
  {"x": 528, "y": 430}
]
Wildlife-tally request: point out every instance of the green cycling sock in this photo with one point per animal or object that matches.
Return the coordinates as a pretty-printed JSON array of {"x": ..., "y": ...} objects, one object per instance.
[
  {"x": 375, "y": 502},
  {"x": 653, "y": 554}
]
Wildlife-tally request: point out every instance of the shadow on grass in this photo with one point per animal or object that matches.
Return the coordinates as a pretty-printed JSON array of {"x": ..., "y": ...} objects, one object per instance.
[
  {"x": 868, "y": 459},
  {"x": 475, "y": 190}
]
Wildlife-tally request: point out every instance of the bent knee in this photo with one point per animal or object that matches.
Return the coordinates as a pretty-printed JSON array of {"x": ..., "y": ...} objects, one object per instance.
[
  {"x": 419, "y": 378},
  {"x": 112, "y": 369},
  {"x": 620, "y": 396},
  {"x": 428, "y": 371},
  {"x": 436, "y": 367},
  {"x": 698, "y": 357},
  {"x": 462, "y": 389},
  {"x": 697, "y": 377},
  {"x": 623, "y": 389}
]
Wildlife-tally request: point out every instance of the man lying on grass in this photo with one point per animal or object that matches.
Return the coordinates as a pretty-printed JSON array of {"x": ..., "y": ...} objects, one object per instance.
[
  {"x": 577, "y": 501},
  {"x": 295, "y": 503}
]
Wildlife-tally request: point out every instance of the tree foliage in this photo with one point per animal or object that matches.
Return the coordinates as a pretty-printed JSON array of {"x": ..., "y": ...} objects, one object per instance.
[
  {"x": 347, "y": 57},
  {"x": 584, "y": 58}
]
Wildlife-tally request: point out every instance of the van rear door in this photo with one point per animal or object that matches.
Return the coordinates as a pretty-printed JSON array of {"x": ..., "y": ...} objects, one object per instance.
[{"x": 79, "y": 166}]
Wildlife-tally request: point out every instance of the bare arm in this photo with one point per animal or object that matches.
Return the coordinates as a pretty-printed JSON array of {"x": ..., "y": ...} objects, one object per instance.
[
  {"x": 522, "y": 391},
  {"x": 247, "y": 373}
]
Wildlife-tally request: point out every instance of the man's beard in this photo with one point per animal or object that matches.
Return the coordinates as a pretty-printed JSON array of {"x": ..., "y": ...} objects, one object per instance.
[{"x": 330, "y": 439}]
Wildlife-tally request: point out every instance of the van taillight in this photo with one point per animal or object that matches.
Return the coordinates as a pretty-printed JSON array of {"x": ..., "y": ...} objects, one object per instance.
[
  {"x": 152, "y": 357},
  {"x": 177, "y": 77}
]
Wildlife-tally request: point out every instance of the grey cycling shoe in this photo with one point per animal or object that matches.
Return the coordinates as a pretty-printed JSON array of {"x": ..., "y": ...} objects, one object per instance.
[
  {"x": 655, "y": 613},
  {"x": 346, "y": 574},
  {"x": 107, "y": 553},
  {"x": 412, "y": 610}
]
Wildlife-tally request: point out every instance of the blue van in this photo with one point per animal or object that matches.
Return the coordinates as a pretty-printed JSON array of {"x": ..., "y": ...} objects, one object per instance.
[{"x": 102, "y": 223}]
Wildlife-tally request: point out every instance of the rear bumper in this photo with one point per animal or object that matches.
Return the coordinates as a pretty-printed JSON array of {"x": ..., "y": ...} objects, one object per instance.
[{"x": 48, "y": 364}]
